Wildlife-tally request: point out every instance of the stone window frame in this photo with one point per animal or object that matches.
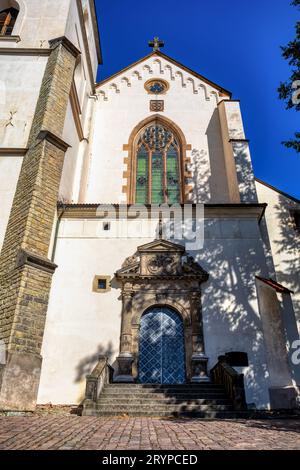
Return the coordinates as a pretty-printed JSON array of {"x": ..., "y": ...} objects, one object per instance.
[
  {"x": 130, "y": 161},
  {"x": 18, "y": 5},
  {"x": 96, "y": 280},
  {"x": 165, "y": 84}
]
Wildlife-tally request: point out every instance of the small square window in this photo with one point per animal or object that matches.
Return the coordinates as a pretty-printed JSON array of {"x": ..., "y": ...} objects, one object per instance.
[
  {"x": 106, "y": 226},
  {"x": 102, "y": 284}
]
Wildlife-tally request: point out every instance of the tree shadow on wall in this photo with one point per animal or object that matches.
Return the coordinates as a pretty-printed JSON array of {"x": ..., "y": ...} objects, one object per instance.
[
  {"x": 286, "y": 247},
  {"x": 218, "y": 181},
  {"x": 229, "y": 299},
  {"x": 201, "y": 177},
  {"x": 86, "y": 365},
  {"x": 233, "y": 255},
  {"x": 209, "y": 175},
  {"x": 288, "y": 244}
]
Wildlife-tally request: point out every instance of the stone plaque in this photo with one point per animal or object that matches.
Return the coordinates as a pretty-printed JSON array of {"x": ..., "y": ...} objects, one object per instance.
[{"x": 157, "y": 105}]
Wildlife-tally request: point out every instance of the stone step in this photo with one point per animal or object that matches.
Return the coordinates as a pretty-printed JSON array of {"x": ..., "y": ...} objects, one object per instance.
[
  {"x": 170, "y": 408},
  {"x": 159, "y": 396},
  {"x": 175, "y": 414},
  {"x": 203, "y": 386},
  {"x": 166, "y": 401},
  {"x": 158, "y": 385},
  {"x": 163, "y": 390},
  {"x": 207, "y": 401}
]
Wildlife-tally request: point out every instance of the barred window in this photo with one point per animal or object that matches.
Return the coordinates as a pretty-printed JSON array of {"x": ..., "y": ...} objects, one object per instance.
[
  {"x": 7, "y": 21},
  {"x": 157, "y": 166}
]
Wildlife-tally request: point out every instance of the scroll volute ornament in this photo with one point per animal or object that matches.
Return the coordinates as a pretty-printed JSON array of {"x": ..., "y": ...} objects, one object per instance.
[
  {"x": 162, "y": 264},
  {"x": 162, "y": 258}
]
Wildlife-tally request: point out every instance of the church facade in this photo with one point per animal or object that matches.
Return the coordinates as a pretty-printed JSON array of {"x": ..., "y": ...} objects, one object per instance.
[{"x": 131, "y": 223}]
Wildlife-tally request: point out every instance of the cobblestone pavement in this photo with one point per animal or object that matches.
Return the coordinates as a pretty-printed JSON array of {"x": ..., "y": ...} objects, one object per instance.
[{"x": 74, "y": 432}]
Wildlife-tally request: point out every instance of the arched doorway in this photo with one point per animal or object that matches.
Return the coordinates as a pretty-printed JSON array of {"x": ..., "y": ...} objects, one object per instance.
[{"x": 161, "y": 351}]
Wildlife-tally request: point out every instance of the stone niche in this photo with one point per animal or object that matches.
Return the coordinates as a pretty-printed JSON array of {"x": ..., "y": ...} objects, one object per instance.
[{"x": 160, "y": 273}]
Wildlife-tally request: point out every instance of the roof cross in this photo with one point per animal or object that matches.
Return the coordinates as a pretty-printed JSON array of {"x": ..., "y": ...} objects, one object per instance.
[{"x": 156, "y": 44}]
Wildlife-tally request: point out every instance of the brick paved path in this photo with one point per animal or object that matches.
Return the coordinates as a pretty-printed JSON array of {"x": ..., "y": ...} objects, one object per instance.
[{"x": 73, "y": 432}]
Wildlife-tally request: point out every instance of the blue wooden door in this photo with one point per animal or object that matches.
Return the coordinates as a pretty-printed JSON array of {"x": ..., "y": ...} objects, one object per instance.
[{"x": 161, "y": 353}]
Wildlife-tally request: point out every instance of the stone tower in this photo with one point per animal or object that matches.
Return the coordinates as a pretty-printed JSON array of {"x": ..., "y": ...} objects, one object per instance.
[{"x": 49, "y": 54}]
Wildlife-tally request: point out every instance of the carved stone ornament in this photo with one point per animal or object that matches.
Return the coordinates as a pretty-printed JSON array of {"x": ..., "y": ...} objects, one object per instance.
[
  {"x": 160, "y": 263},
  {"x": 91, "y": 389},
  {"x": 161, "y": 273},
  {"x": 130, "y": 261},
  {"x": 161, "y": 258},
  {"x": 157, "y": 105}
]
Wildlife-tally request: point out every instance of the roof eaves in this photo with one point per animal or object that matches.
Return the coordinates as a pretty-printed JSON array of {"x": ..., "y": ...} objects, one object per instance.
[
  {"x": 278, "y": 190},
  {"x": 95, "y": 23},
  {"x": 275, "y": 285},
  {"x": 173, "y": 61}
]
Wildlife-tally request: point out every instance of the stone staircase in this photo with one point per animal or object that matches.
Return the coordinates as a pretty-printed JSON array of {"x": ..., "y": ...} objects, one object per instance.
[{"x": 205, "y": 400}]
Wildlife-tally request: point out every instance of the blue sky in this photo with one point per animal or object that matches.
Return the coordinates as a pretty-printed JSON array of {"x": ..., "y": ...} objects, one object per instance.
[{"x": 235, "y": 43}]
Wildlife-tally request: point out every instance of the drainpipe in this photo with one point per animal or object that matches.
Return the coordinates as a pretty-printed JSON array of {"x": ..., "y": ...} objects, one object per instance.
[{"x": 63, "y": 209}]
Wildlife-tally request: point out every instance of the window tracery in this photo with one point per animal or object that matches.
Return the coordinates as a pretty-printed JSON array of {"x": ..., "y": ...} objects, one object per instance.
[
  {"x": 157, "y": 166},
  {"x": 156, "y": 86}
]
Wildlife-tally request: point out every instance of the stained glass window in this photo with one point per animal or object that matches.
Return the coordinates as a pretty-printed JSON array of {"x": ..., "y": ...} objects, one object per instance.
[
  {"x": 157, "y": 193},
  {"x": 173, "y": 188},
  {"x": 156, "y": 87},
  {"x": 157, "y": 166},
  {"x": 142, "y": 176}
]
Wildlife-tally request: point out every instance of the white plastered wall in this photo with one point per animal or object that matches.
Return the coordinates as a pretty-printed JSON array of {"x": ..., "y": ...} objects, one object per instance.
[
  {"x": 285, "y": 246},
  {"x": 82, "y": 324},
  {"x": 38, "y": 21},
  {"x": 20, "y": 82},
  {"x": 9, "y": 174},
  {"x": 77, "y": 156},
  {"x": 284, "y": 239},
  {"x": 123, "y": 103}
]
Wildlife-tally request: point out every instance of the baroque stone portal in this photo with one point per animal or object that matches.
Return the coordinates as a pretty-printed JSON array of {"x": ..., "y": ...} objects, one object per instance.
[{"x": 161, "y": 274}]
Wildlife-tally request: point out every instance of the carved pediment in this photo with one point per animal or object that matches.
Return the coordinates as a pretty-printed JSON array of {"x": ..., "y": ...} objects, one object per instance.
[
  {"x": 161, "y": 245},
  {"x": 161, "y": 259}
]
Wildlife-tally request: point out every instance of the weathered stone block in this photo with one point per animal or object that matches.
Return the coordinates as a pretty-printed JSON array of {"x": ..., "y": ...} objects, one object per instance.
[
  {"x": 20, "y": 381},
  {"x": 283, "y": 398}
]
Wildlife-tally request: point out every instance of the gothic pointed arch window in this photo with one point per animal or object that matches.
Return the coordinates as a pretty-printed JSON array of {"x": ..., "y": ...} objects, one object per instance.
[
  {"x": 8, "y": 17},
  {"x": 157, "y": 173}
]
